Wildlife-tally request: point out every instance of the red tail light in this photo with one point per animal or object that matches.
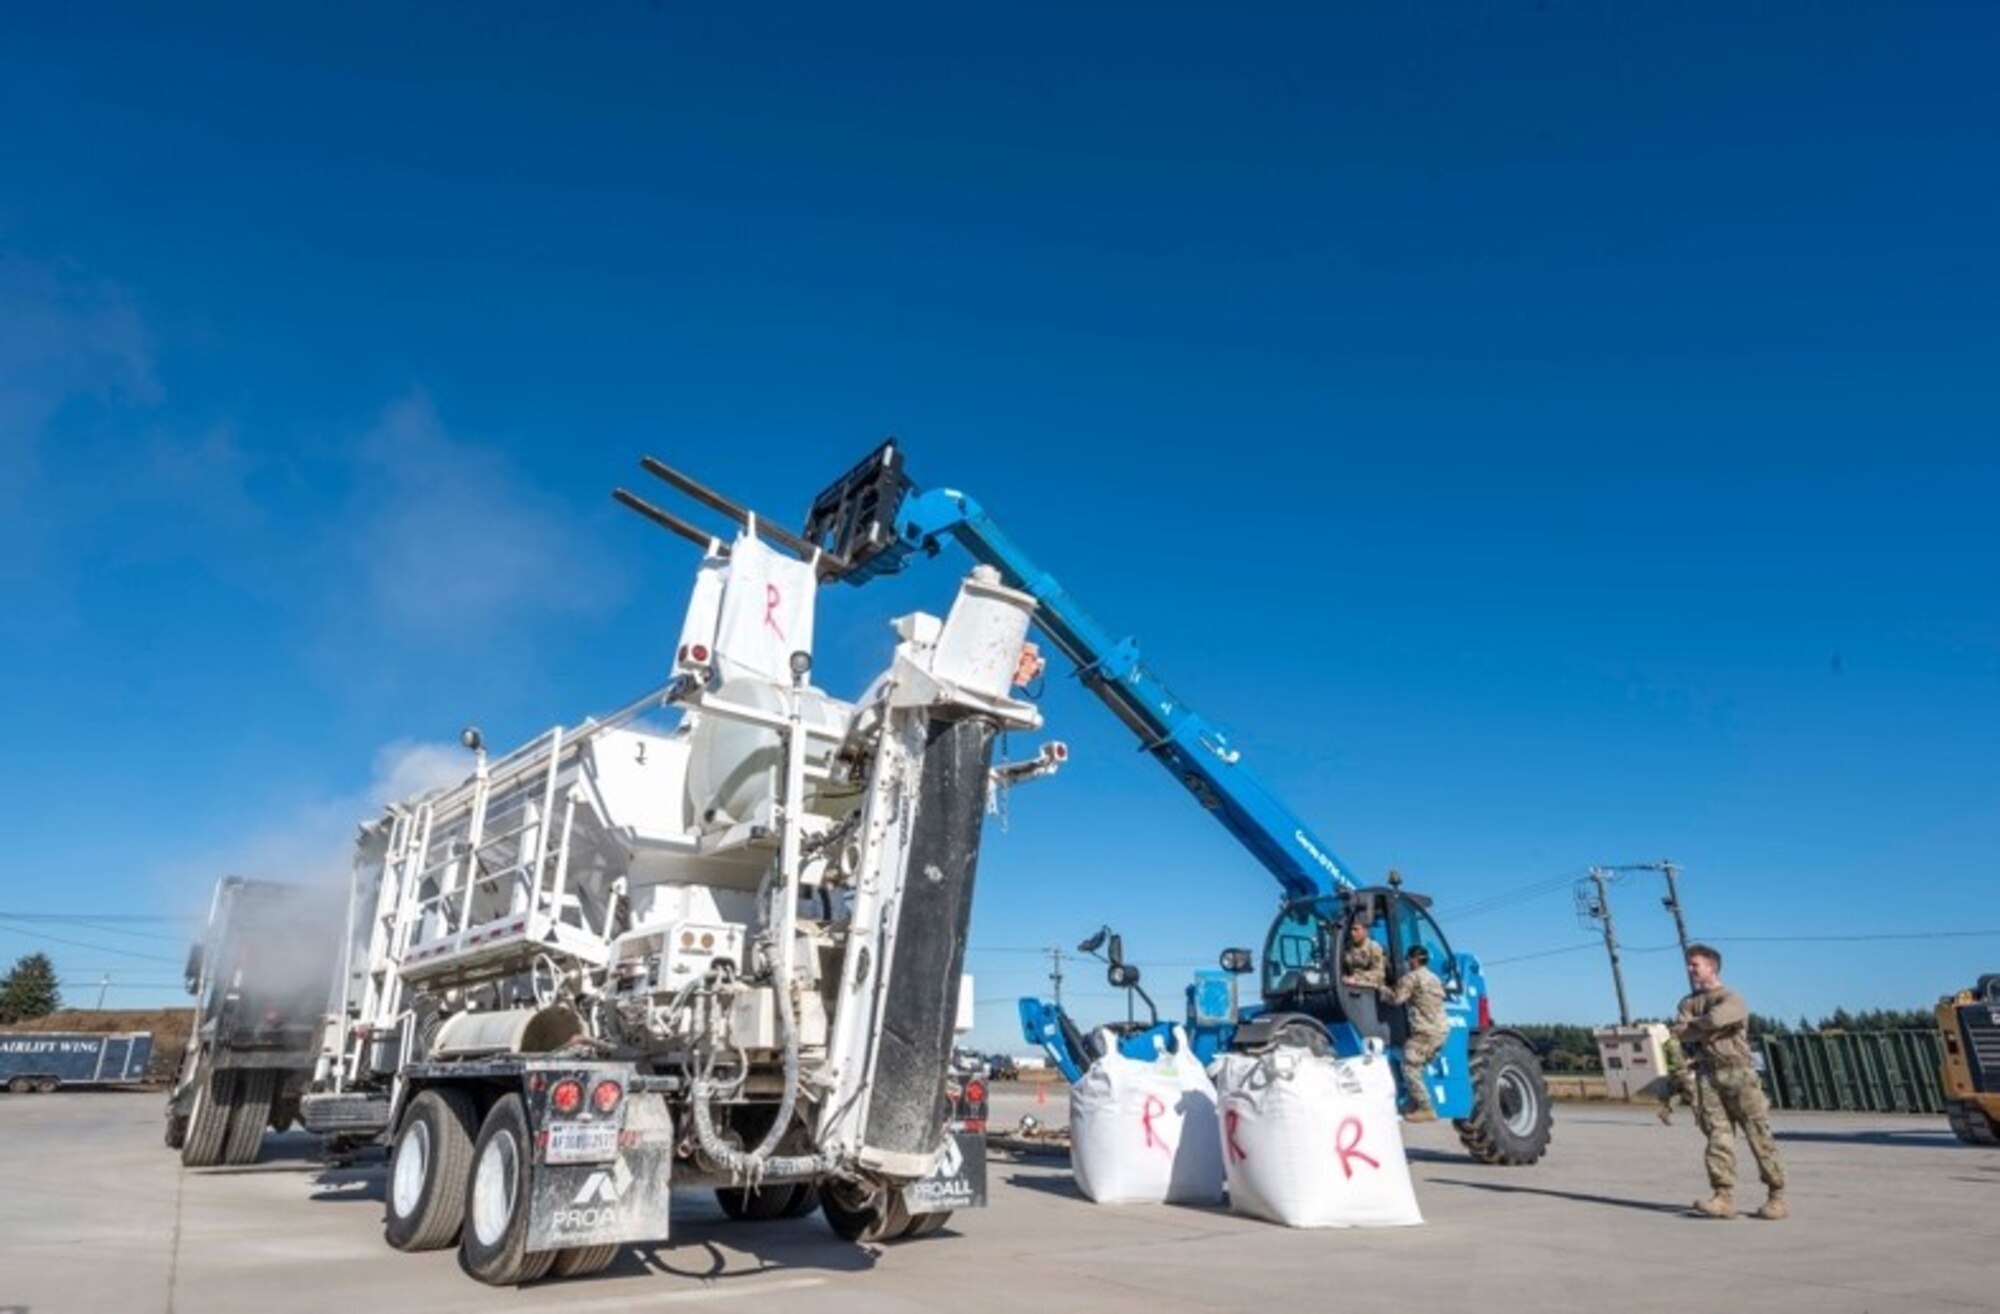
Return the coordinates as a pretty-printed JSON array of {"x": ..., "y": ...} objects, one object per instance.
[
  {"x": 567, "y": 1096},
  {"x": 1485, "y": 1012},
  {"x": 975, "y": 1091},
  {"x": 605, "y": 1095},
  {"x": 698, "y": 653}
]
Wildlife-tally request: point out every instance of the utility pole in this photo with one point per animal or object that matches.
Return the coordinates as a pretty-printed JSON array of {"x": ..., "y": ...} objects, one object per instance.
[
  {"x": 1672, "y": 903},
  {"x": 103, "y": 986},
  {"x": 1670, "y": 869},
  {"x": 1056, "y": 972},
  {"x": 1598, "y": 909}
]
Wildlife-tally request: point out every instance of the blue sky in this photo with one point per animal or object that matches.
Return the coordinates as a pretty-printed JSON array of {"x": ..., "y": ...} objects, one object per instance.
[{"x": 1543, "y": 434}]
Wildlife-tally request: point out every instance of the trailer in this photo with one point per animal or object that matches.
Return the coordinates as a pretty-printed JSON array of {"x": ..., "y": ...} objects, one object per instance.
[
  {"x": 711, "y": 941},
  {"x": 48, "y": 1061}
]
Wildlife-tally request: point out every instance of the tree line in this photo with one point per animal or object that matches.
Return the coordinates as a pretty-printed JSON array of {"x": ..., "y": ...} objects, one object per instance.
[{"x": 1565, "y": 1047}]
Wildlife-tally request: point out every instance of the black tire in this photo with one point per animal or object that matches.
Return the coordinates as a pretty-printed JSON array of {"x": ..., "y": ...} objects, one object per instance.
[
  {"x": 284, "y": 1113},
  {"x": 177, "y": 1130},
  {"x": 1970, "y": 1123},
  {"x": 1309, "y": 1036},
  {"x": 20, "y": 1085},
  {"x": 759, "y": 1204},
  {"x": 208, "y": 1118},
  {"x": 582, "y": 1261},
  {"x": 251, "y": 1111},
  {"x": 430, "y": 1167},
  {"x": 493, "y": 1245},
  {"x": 804, "y": 1202},
  {"x": 48, "y": 1086},
  {"x": 923, "y": 1225},
  {"x": 1512, "y": 1118},
  {"x": 869, "y": 1214}
]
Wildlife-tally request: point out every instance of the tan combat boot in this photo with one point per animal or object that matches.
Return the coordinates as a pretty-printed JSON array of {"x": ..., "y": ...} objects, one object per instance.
[
  {"x": 1425, "y": 1114},
  {"x": 1774, "y": 1208},
  {"x": 1720, "y": 1205},
  {"x": 1667, "y": 1114}
]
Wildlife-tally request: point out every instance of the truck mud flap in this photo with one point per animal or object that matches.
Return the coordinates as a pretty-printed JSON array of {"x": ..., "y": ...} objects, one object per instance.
[
  {"x": 623, "y": 1200},
  {"x": 959, "y": 1182},
  {"x": 920, "y": 1006}
]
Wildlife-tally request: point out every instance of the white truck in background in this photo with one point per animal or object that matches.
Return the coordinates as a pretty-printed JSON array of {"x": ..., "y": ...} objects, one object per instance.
[{"x": 713, "y": 940}]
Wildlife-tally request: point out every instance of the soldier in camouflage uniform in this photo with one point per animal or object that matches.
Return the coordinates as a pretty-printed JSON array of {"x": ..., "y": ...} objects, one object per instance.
[
  {"x": 1422, "y": 995},
  {"x": 1363, "y": 965},
  {"x": 1714, "y": 1027},
  {"x": 1678, "y": 1083}
]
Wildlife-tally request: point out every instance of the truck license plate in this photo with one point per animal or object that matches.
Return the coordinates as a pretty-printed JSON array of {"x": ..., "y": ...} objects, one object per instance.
[{"x": 582, "y": 1142}]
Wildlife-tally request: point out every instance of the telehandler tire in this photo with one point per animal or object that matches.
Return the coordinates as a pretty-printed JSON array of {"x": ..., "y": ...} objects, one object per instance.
[
  {"x": 430, "y": 1166},
  {"x": 1511, "y": 1114}
]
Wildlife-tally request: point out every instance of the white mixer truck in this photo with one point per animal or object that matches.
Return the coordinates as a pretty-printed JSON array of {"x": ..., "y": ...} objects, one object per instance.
[{"x": 713, "y": 940}]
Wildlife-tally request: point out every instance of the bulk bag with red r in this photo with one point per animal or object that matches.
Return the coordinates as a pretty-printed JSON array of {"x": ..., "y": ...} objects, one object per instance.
[
  {"x": 1144, "y": 1131},
  {"x": 1313, "y": 1141}
]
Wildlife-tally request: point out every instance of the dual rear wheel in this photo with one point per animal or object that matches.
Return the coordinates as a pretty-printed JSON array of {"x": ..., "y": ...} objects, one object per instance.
[{"x": 455, "y": 1177}]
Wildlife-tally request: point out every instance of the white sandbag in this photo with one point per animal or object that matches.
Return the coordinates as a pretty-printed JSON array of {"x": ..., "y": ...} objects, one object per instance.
[
  {"x": 1313, "y": 1141},
  {"x": 1145, "y": 1131},
  {"x": 766, "y": 613}
]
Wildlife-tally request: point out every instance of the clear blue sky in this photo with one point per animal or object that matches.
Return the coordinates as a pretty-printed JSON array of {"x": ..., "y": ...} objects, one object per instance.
[{"x": 1543, "y": 433}]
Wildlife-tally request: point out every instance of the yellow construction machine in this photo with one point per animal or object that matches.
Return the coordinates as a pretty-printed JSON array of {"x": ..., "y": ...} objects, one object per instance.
[{"x": 1970, "y": 1024}]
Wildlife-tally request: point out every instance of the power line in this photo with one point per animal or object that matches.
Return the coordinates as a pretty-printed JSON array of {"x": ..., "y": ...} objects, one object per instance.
[
  {"x": 85, "y": 944},
  {"x": 95, "y": 917},
  {"x": 1847, "y": 939},
  {"x": 1541, "y": 953},
  {"x": 1506, "y": 898}
]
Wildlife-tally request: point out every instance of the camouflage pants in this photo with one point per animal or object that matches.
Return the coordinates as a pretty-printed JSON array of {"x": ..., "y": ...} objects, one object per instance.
[
  {"x": 1726, "y": 1099},
  {"x": 1417, "y": 1052}
]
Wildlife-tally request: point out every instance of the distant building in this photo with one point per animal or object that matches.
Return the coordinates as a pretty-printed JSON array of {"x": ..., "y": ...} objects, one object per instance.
[{"x": 1633, "y": 1058}]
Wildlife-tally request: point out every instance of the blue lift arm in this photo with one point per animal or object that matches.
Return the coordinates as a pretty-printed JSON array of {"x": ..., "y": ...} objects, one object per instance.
[{"x": 1193, "y": 749}]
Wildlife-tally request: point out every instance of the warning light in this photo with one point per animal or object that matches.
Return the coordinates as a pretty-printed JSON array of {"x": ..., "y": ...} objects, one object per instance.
[{"x": 567, "y": 1096}]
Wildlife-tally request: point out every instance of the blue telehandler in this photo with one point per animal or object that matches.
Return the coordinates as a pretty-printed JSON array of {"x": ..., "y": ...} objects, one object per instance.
[{"x": 875, "y": 521}]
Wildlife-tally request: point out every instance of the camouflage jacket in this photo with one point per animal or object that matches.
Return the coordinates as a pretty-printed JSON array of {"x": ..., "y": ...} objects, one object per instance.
[
  {"x": 1423, "y": 994},
  {"x": 1714, "y": 1027},
  {"x": 1365, "y": 964}
]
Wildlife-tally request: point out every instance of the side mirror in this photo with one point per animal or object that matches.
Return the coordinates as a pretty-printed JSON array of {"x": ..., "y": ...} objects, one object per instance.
[
  {"x": 1122, "y": 975},
  {"x": 193, "y": 972},
  {"x": 1095, "y": 942},
  {"x": 1116, "y": 953},
  {"x": 1236, "y": 961}
]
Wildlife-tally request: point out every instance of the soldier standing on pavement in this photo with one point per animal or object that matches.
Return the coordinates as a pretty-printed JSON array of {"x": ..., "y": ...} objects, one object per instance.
[
  {"x": 1363, "y": 965},
  {"x": 1422, "y": 995},
  {"x": 1713, "y": 1026}
]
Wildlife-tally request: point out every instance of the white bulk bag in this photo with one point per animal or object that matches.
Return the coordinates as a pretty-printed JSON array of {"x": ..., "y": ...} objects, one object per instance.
[
  {"x": 1313, "y": 1141},
  {"x": 1145, "y": 1131}
]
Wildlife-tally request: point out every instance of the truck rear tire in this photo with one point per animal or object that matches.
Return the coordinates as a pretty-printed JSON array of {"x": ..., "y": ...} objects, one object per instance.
[
  {"x": 923, "y": 1225},
  {"x": 582, "y": 1261},
  {"x": 48, "y": 1086},
  {"x": 804, "y": 1202},
  {"x": 760, "y": 1204},
  {"x": 251, "y": 1111},
  {"x": 1971, "y": 1124},
  {"x": 493, "y": 1245},
  {"x": 208, "y": 1119},
  {"x": 862, "y": 1213},
  {"x": 1511, "y": 1114},
  {"x": 20, "y": 1085},
  {"x": 429, "y": 1169},
  {"x": 177, "y": 1130}
]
